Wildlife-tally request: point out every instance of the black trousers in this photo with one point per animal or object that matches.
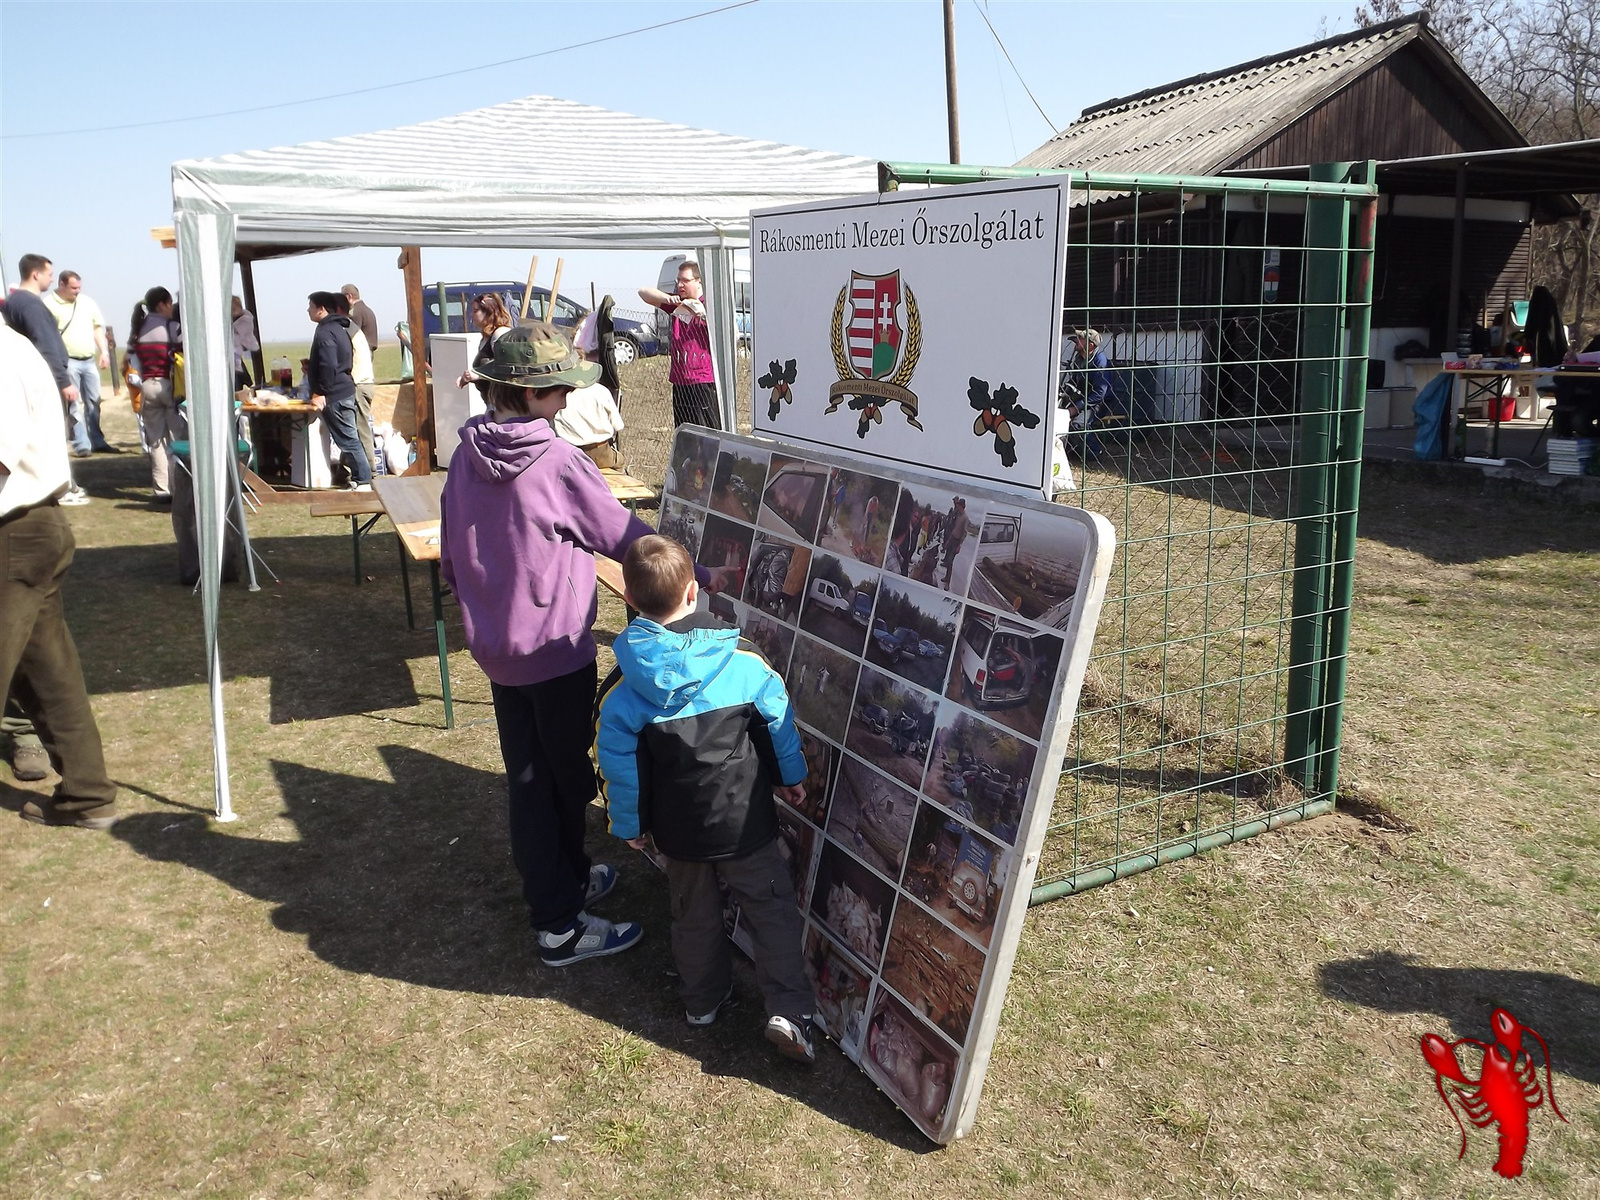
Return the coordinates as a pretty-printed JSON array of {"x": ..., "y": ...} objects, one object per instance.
[
  {"x": 696, "y": 404},
  {"x": 38, "y": 659},
  {"x": 545, "y": 733}
]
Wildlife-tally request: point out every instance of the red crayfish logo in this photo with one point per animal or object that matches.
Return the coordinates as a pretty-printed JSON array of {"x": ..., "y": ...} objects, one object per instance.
[{"x": 1505, "y": 1092}]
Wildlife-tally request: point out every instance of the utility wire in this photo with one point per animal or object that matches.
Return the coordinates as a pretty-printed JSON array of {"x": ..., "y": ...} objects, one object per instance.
[
  {"x": 1014, "y": 70},
  {"x": 380, "y": 87}
]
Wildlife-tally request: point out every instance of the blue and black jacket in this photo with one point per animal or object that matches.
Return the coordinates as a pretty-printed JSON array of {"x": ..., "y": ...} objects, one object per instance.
[{"x": 693, "y": 729}]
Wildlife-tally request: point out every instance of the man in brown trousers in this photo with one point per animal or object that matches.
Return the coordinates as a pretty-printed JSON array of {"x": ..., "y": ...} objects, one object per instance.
[{"x": 38, "y": 660}]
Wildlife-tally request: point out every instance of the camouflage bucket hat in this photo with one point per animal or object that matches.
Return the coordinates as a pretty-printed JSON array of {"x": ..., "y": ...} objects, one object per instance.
[{"x": 538, "y": 355}]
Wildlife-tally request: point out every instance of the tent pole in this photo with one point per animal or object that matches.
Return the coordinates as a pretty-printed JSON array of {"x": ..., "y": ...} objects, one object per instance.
[
  {"x": 421, "y": 407},
  {"x": 247, "y": 273}
]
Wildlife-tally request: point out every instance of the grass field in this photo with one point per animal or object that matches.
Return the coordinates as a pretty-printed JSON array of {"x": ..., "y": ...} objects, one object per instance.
[{"x": 338, "y": 996}]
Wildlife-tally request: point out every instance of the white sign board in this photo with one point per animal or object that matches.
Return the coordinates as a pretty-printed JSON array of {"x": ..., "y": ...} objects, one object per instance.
[
  {"x": 921, "y": 327},
  {"x": 933, "y": 637}
]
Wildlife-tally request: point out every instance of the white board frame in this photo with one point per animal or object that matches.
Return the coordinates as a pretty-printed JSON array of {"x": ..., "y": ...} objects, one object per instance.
[{"x": 1076, "y": 630}]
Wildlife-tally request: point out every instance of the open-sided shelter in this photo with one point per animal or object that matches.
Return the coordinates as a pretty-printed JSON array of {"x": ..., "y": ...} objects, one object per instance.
[{"x": 538, "y": 173}]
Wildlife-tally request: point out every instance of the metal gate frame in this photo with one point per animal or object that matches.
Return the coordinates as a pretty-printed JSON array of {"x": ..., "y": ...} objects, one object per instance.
[{"x": 1322, "y": 492}]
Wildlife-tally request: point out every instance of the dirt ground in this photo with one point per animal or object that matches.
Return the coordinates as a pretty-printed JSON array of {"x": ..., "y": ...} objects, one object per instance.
[{"x": 338, "y": 996}]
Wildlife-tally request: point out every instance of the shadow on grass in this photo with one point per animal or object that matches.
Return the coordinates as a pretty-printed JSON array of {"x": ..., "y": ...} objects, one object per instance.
[
  {"x": 411, "y": 880},
  {"x": 1565, "y": 1011}
]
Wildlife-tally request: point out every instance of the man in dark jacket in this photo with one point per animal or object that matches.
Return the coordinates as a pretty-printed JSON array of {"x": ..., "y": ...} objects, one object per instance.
[
  {"x": 694, "y": 732},
  {"x": 332, "y": 387}
]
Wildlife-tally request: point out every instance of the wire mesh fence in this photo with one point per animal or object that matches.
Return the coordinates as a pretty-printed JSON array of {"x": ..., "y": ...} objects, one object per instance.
[
  {"x": 1225, "y": 454},
  {"x": 647, "y": 411}
]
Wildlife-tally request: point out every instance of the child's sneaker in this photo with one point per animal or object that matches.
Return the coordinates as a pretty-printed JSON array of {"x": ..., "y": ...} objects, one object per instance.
[
  {"x": 589, "y": 937},
  {"x": 602, "y": 878},
  {"x": 794, "y": 1037},
  {"x": 705, "y": 1019}
]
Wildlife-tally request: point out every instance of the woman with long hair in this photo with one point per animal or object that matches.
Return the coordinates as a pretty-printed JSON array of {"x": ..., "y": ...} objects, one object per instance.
[
  {"x": 156, "y": 338},
  {"x": 493, "y": 321}
]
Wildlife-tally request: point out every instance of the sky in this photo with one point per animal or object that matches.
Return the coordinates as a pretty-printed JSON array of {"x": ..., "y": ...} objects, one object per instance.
[{"x": 857, "y": 78}]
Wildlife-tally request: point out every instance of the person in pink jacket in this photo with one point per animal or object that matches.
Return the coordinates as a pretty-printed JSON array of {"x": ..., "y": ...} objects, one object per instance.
[{"x": 523, "y": 514}]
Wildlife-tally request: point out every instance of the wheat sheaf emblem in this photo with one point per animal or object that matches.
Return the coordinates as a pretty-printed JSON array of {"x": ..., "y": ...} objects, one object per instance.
[{"x": 874, "y": 357}]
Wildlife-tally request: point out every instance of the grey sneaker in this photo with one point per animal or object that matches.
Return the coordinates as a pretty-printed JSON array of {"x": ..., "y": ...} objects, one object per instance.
[
  {"x": 30, "y": 763},
  {"x": 602, "y": 878},
  {"x": 48, "y": 812},
  {"x": 74, "y": 498},
  {"x": 794, "y": 1037},
  {"x": 709, "y": 1018},
  {"x": 589, "y": 937}
]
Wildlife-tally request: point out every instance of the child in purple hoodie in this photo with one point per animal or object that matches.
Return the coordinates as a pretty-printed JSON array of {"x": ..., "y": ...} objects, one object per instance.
[{"x": 523, "y": 514}]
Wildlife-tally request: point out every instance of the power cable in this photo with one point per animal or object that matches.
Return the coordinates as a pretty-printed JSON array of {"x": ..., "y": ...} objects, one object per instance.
[
  {"x": 1014, "y": 70},
  {"x": 380, "y": 87}
]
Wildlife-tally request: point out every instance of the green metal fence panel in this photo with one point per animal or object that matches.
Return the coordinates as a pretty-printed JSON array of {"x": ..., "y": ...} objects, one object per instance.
[{"x": 1234, "y": 314}]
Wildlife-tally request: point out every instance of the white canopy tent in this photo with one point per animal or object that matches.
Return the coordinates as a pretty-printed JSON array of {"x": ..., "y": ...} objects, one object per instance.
[{"x": 535, "y": 173}]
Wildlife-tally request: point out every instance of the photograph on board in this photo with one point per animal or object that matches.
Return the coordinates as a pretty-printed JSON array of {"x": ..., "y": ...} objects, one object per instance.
[
  {"x": 913, "y": 629},
  {"x": 958, "y": 872},
  {"x": 821, "y": 681},
  {"x": 934, "y": 537},
  {"x": 1029, "y": 563},
  {"x": 693, "y": 462},
  {"x": 774, "y": 640},
  {"x": 841, "y": 992},
  {"x": 891, "y": 723},
  {"x": 853, "y": 901},
  {"x": 736, "y": 487},
  {"x": 839, "y": 598},
  {"x": 979, "y": 772},
  {"x": 909, "y": 1061},
  {"x": 682, "y": 524},
  {"x": 792, "y": 502},
  {"x": 856, "y": 515},
  {"x": 797, "y": 843},
  {"x": 871, "y": 816},
  {"x": 1005, "y": 669},
  {"x": 934, "y": 968},
  {"x": 822, "y": 764},
  {"x": 726, "y": 543},
  {"x": 725, "y": 608},
  {"x": 776, "y": 580}
]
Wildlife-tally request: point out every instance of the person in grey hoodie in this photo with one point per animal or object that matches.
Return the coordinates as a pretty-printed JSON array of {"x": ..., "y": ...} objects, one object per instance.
[{"x": 522, "y": 516}]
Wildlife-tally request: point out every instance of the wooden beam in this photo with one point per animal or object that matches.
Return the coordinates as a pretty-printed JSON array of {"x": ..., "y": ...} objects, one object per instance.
[
  {"x": 258, "y": 360},
  {"x": 422, "y": 400}
]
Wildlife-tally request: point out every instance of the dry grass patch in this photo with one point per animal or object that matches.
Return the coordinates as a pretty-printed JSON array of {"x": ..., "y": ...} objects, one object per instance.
[{"x": 337, "y": 996}]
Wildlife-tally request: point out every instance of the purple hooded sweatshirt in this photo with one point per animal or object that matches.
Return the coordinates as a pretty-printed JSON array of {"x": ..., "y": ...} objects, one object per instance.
[{"x": 523, "y": 514}]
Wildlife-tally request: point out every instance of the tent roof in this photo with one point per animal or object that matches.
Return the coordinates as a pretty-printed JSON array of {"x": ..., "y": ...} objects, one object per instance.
[{"x": 539, "y": 171}]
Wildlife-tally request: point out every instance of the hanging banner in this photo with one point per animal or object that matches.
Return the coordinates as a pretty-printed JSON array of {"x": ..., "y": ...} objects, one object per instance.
[
  {"x": 933, "y": 635},
  {"x": 919, "y": 327}
]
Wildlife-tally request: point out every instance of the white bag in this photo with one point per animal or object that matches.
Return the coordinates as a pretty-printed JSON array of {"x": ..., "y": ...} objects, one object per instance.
[{"x": 1061, "y": 469}]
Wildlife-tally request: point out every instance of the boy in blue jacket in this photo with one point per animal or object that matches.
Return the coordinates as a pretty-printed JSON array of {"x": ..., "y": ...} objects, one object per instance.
[{"x": 694, "y": 732}]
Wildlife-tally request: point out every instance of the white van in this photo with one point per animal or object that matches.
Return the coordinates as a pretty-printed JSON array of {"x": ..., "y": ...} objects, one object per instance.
[
  {"x": 826, "y": 593},
  {"x": 997, "y": 660}
]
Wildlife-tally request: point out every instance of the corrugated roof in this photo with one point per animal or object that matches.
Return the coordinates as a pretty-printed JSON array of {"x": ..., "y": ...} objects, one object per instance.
[
  {"x": 1199, "y": 126},
  {"x": 539, "y": 169}
]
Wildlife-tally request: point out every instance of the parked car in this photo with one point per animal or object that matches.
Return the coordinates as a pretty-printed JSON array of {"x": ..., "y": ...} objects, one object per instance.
[
  {"x": 902, "y": 643},
  {"x": 861, "y": 608},
  {"x": 636, "y": 333},
  {"x": 875, "y": 717},
  {"x": 969, "y": 880},
  {"x": 827, "y": 594},
  {"x": 928, "y": 648},
  {"x": 998, "y": 662}
]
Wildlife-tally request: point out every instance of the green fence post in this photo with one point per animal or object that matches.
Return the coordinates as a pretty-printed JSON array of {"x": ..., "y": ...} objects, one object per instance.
[
  {"x": 1347, "y": 483},
  {"x": 1322, "y": 291}
]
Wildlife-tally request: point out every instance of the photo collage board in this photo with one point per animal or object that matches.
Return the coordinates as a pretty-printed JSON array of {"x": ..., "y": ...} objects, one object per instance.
[{"x": 933, "y": 638}]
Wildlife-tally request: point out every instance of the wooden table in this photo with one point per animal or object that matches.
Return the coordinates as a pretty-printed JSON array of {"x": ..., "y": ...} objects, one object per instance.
[
  {"x": 412, "y": 502},
  {"x": 1480, "y": 381},
  {"x": 354, "y": 505},
  {"x": 627, "y": 489}
]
